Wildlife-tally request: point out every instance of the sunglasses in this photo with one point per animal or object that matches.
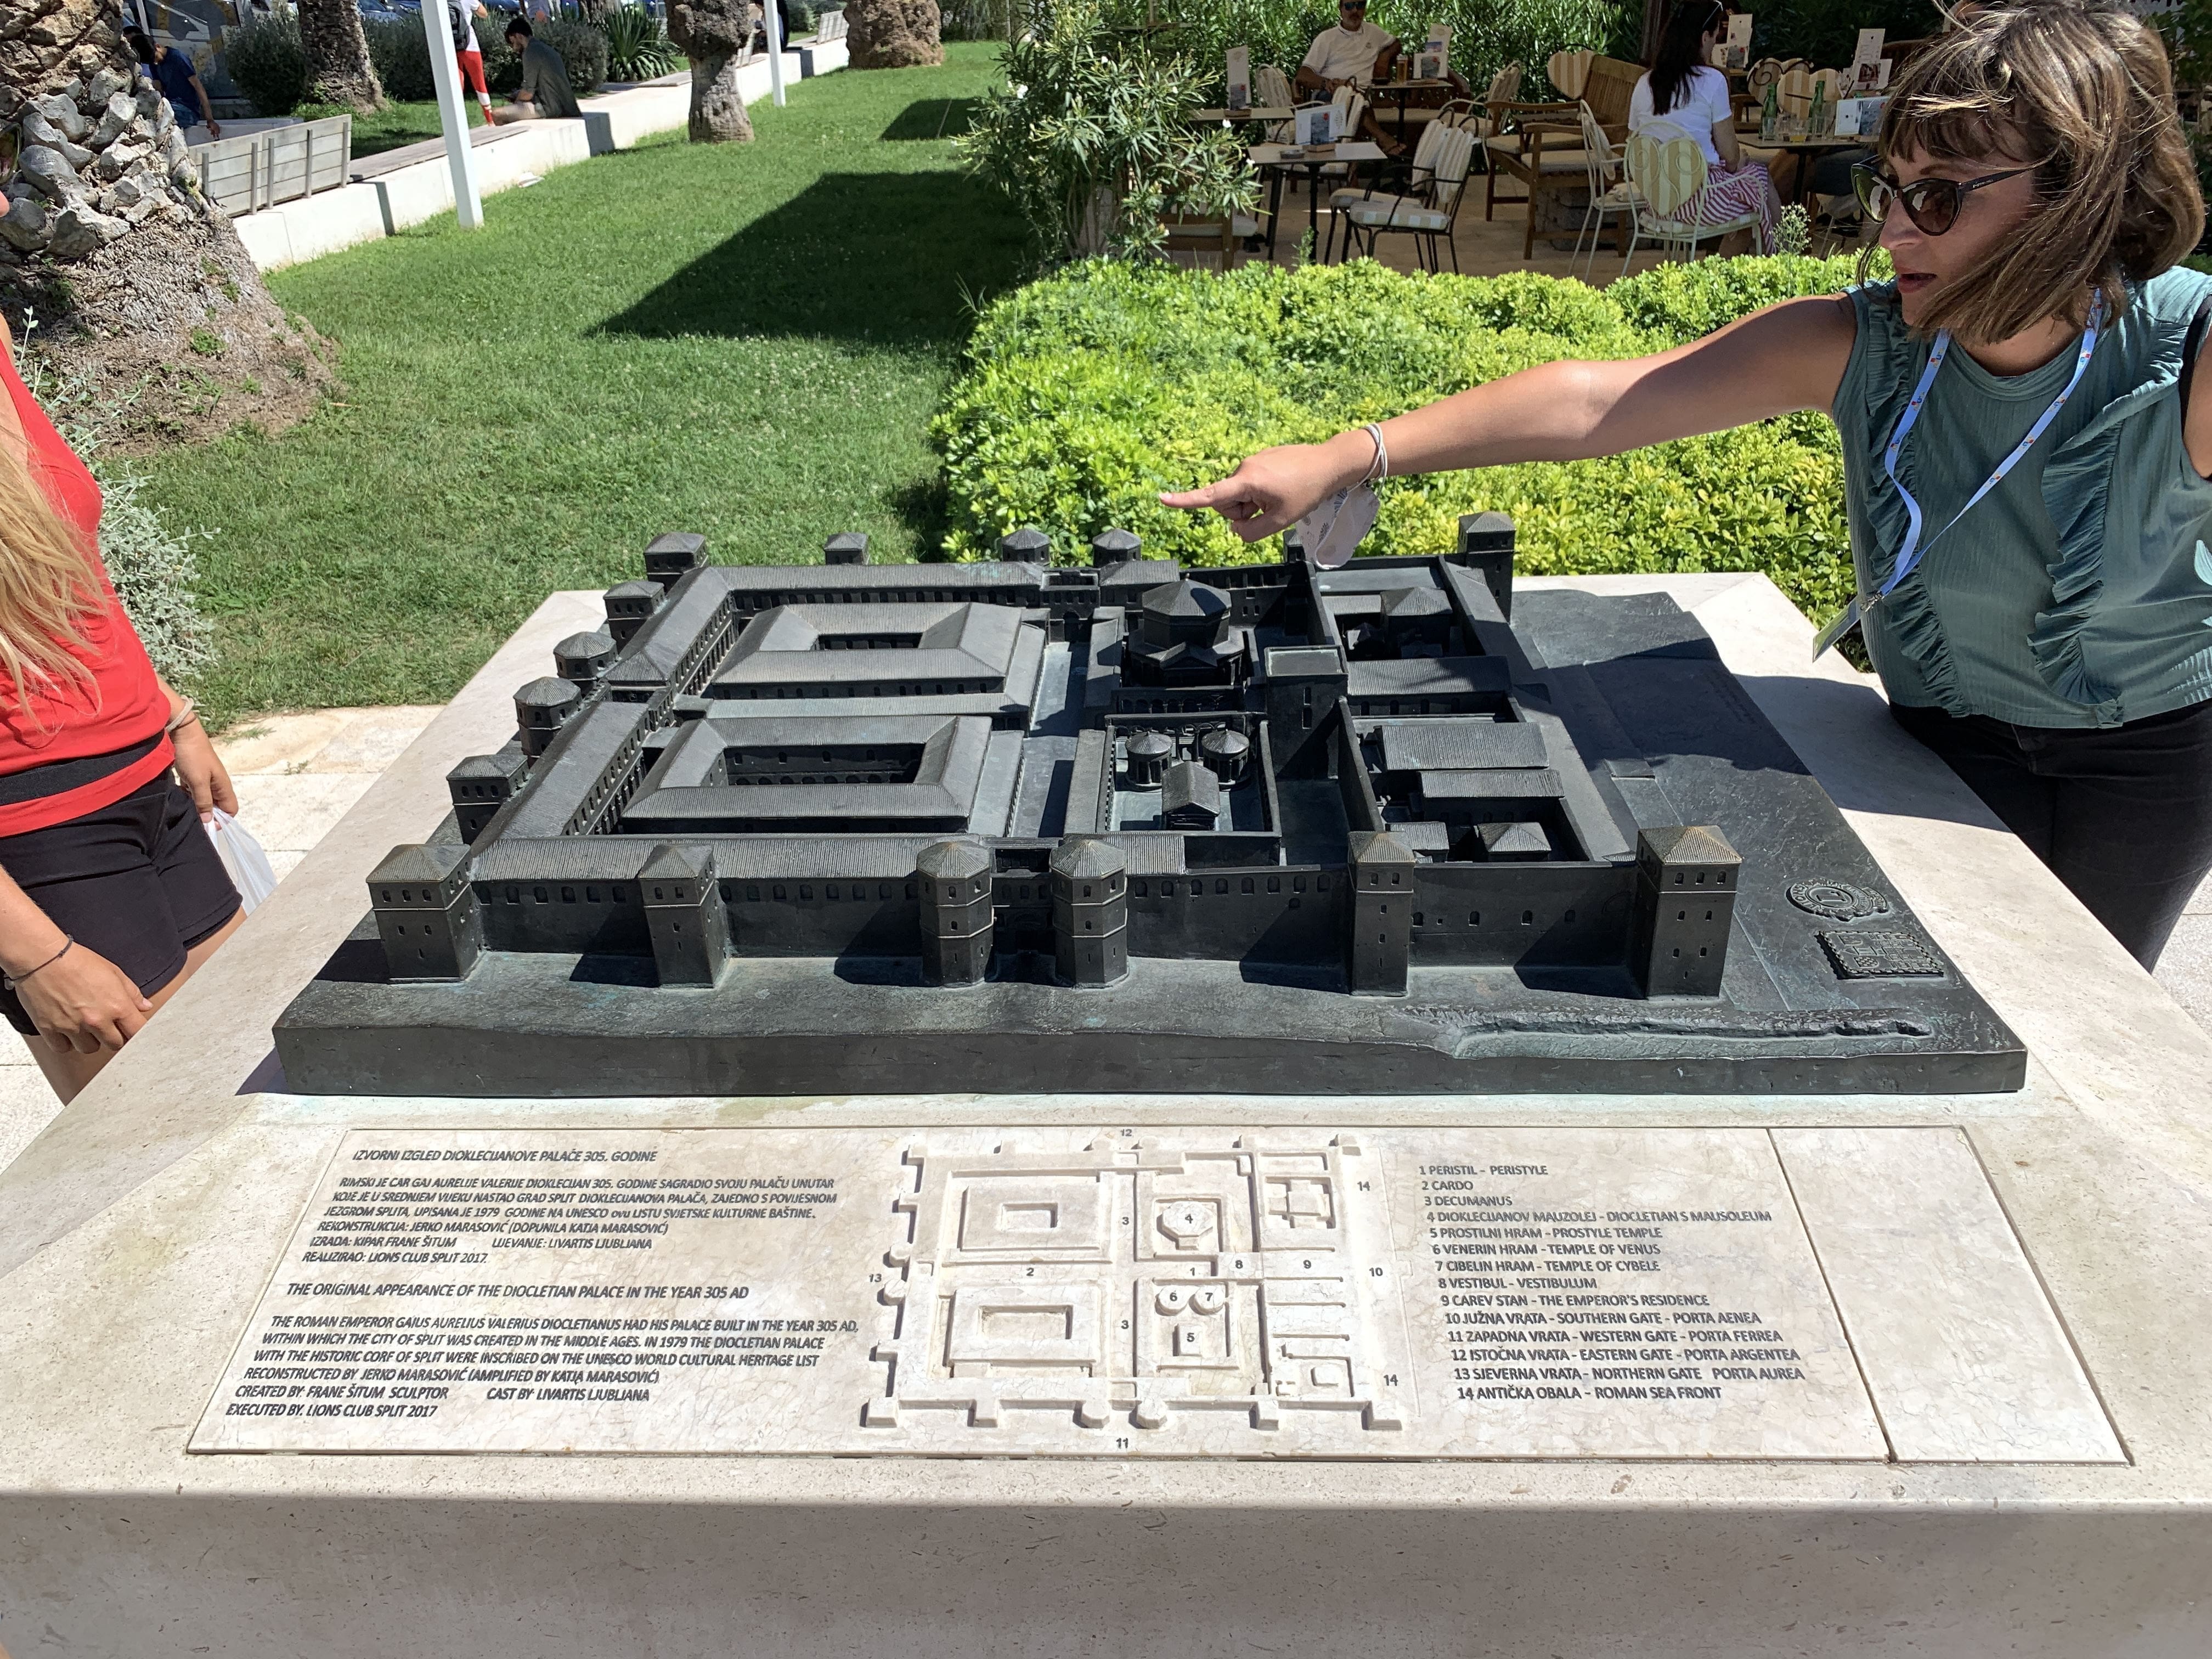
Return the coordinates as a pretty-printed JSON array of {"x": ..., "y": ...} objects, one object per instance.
[{"x": 1932, "y": 204}]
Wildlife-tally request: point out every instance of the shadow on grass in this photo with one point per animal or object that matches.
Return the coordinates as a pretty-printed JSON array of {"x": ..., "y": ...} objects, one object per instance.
[
  {"x": 932, "y": 117},
  {"x": 924, "y": 507},
  {"x": 893, "y": 257}
]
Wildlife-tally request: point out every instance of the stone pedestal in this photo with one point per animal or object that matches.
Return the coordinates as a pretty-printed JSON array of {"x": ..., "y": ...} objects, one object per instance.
[{"x": 1992, "y": 1441}]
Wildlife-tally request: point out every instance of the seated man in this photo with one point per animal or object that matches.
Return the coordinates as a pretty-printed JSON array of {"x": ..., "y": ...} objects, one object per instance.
[
  {"x": 1353, "y": 53},
  {"x": 545, "y": 93}
]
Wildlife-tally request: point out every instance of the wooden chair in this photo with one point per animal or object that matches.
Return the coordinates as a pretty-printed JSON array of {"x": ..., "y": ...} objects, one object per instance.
[
  {"x": 1608, "y": 89},
  {"x": 1202, "y": 243},
  {"x": 1429, "y": 215},
  {"x": 1544, "y": 151},
  {"x": 1568, "y": 71},
  {"x": 1665, "y": 181}
]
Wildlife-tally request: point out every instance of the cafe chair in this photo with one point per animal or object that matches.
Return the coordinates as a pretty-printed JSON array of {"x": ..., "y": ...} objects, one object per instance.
[
  {"x": 1272, "y": 88},
  {"x": 1665, "y": 181},
  {"x": 1568, "y": 71},
  {"x": 1609, "y": 191},
  {"x": 1489, "y": 121},
  {"x": 1422, "y": 174},
  {"x": 1429, "y": 215}
]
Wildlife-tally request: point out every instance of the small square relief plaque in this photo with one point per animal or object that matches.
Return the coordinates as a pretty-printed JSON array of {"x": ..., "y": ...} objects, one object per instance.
[
  {"x": 1882, "y": 953},
  {"x": 1211, "y": 1291}
]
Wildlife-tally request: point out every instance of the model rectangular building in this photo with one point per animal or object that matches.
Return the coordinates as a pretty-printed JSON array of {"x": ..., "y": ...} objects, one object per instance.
[{"x": 1014, "y": 825}]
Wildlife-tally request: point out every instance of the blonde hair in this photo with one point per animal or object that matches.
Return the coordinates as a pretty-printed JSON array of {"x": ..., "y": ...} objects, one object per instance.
[
  {"x": 48, "y": 585},
  {"x": 2083, "y": 94}
]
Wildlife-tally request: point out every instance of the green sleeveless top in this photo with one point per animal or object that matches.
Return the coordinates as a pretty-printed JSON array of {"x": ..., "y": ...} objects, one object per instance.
[{"x": 2079, "y": 592}]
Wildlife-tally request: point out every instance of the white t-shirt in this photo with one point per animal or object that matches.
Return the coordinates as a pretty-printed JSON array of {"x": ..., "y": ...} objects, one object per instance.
[
  {"x": 1336, "y": 55},
  {"x": 1701, "y": 102}
]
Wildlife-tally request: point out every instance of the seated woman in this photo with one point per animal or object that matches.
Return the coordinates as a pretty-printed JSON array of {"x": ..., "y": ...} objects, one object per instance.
[{"x": 1683, "y": 96}]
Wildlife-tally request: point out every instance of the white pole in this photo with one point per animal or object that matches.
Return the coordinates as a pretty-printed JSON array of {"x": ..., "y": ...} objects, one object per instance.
[
  {"x": 772, "y": 19},
  {"x": 460, "y": 155}
]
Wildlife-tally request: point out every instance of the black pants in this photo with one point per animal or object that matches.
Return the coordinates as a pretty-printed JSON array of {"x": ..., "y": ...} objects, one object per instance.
[{"x": 2123, "y": 815}]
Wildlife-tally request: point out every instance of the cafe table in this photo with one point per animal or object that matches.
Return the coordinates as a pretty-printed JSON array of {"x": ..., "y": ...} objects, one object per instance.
[
  {"x": 1200, "y": 117},
  {"x": 1277, "y": 160},
  {"x": 1811, "y": 148},
  {"x": 1403, "y": 92}
]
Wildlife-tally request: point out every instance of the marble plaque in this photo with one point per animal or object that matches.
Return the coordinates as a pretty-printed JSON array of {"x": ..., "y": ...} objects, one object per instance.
[{"x": 1098, "y": 1291}]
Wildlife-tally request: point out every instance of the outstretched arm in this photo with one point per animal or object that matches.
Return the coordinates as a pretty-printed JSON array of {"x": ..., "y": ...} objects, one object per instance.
[{"x": 1788, "y": 357}]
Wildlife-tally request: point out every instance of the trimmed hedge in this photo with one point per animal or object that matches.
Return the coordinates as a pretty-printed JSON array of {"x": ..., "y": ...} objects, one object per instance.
[{"x": 1088, "y": 392}]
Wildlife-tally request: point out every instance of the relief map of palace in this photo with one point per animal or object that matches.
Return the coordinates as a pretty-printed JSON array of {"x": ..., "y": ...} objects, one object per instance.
[{"x": 1017, "y": 825}]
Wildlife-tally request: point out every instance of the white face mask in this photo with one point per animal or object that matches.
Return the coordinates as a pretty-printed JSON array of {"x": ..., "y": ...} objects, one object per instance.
[{"x": 1332, "y": 530}]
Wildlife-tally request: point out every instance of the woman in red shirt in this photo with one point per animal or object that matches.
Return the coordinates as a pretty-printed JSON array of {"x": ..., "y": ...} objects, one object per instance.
[{"x": 111, "y": 894}]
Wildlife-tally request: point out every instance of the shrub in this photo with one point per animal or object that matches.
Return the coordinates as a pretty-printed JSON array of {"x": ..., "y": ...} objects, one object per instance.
[
  {"x": 1091, "y": 142},
  {"x": 638, "y": 48},
  {"x": 402, "y": 57},
  {"x": 266, "y": 60},
  {"x": 1086, "y": 394},
  {"x": 1485, "y": 34}
]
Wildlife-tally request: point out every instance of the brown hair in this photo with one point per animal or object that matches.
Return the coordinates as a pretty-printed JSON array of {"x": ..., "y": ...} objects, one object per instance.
[
  {"x": 47, "y": 586},
  {"x": 2083, "y": 93}
]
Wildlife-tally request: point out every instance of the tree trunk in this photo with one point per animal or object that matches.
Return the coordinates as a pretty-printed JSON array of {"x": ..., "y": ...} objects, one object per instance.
[
  {"x": 142, "y": 292},
  {"x": 339, "y": 67},
  {"x": 893, "y": 33},
  {"x": 713, "y": 34},
  {"x": 718, "y": 108},
  {"x": 593, "y": 11}
]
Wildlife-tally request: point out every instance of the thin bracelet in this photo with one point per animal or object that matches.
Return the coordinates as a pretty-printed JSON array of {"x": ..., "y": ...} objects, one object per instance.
[
  {"x": 1380, "y": 466},
  {"x": 11, "y": 981},
  {"x": 182, "y": 717}
]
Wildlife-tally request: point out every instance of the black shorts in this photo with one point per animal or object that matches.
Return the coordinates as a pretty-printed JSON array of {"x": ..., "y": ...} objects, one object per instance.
[{"x": 139, "y": 882}]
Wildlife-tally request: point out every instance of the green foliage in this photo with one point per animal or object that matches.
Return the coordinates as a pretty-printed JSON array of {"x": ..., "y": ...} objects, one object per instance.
[
  {"x": 1486, "y": 34},
  {"x": 402, "y": 57},
  {"x": 1089, "y": 392},
  {"x": 1675, "y": 303},
  {"x": 1824, "y": 32},
  {"x": 267, "y": 61},
  {"x": 638, "y": 47},
  {"x": 1090, "y": 141}
]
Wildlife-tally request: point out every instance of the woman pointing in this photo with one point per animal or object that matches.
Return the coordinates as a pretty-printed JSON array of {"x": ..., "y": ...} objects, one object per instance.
[{"x": 2026, "y": 446}]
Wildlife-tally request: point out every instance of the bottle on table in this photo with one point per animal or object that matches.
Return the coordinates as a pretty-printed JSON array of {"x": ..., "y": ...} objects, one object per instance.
[
  {"x": 1816, "y": 121},
  {"x": 1770, "y": 115}
]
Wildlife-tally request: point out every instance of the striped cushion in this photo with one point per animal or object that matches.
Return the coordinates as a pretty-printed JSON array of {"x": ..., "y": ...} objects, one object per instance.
[{"x": 1399, "y": 213}]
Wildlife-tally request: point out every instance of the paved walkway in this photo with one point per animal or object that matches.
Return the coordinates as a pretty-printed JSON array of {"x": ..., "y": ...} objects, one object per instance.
[{"x": 297, "y": 776}]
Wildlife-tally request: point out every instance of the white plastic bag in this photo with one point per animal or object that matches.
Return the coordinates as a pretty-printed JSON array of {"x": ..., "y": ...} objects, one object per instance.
[{"x": 242, "y": 855}]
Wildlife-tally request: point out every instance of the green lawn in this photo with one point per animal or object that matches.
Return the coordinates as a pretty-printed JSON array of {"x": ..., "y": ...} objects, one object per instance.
[
  {"x": 395, "y": 124},
  {"x": 745, "y": 341}
]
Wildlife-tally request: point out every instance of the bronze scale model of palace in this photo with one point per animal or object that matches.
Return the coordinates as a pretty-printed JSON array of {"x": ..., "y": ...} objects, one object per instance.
[{"x": 1018, "y": 826}]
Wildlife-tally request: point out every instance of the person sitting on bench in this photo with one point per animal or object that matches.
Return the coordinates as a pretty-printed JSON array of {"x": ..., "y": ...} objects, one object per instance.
[{"x": 544, "y": 93}]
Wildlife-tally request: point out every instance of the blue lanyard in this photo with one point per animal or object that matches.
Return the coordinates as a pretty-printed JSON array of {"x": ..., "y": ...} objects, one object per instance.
[{"x": 1913, "y": 550}]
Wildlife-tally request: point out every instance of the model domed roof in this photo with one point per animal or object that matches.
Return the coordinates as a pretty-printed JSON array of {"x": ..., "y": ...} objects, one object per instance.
[
  {"x": 953, "y": 860},
  {"x": 1087, "y": 855},
  {"x": 1185, "y": 599}
]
